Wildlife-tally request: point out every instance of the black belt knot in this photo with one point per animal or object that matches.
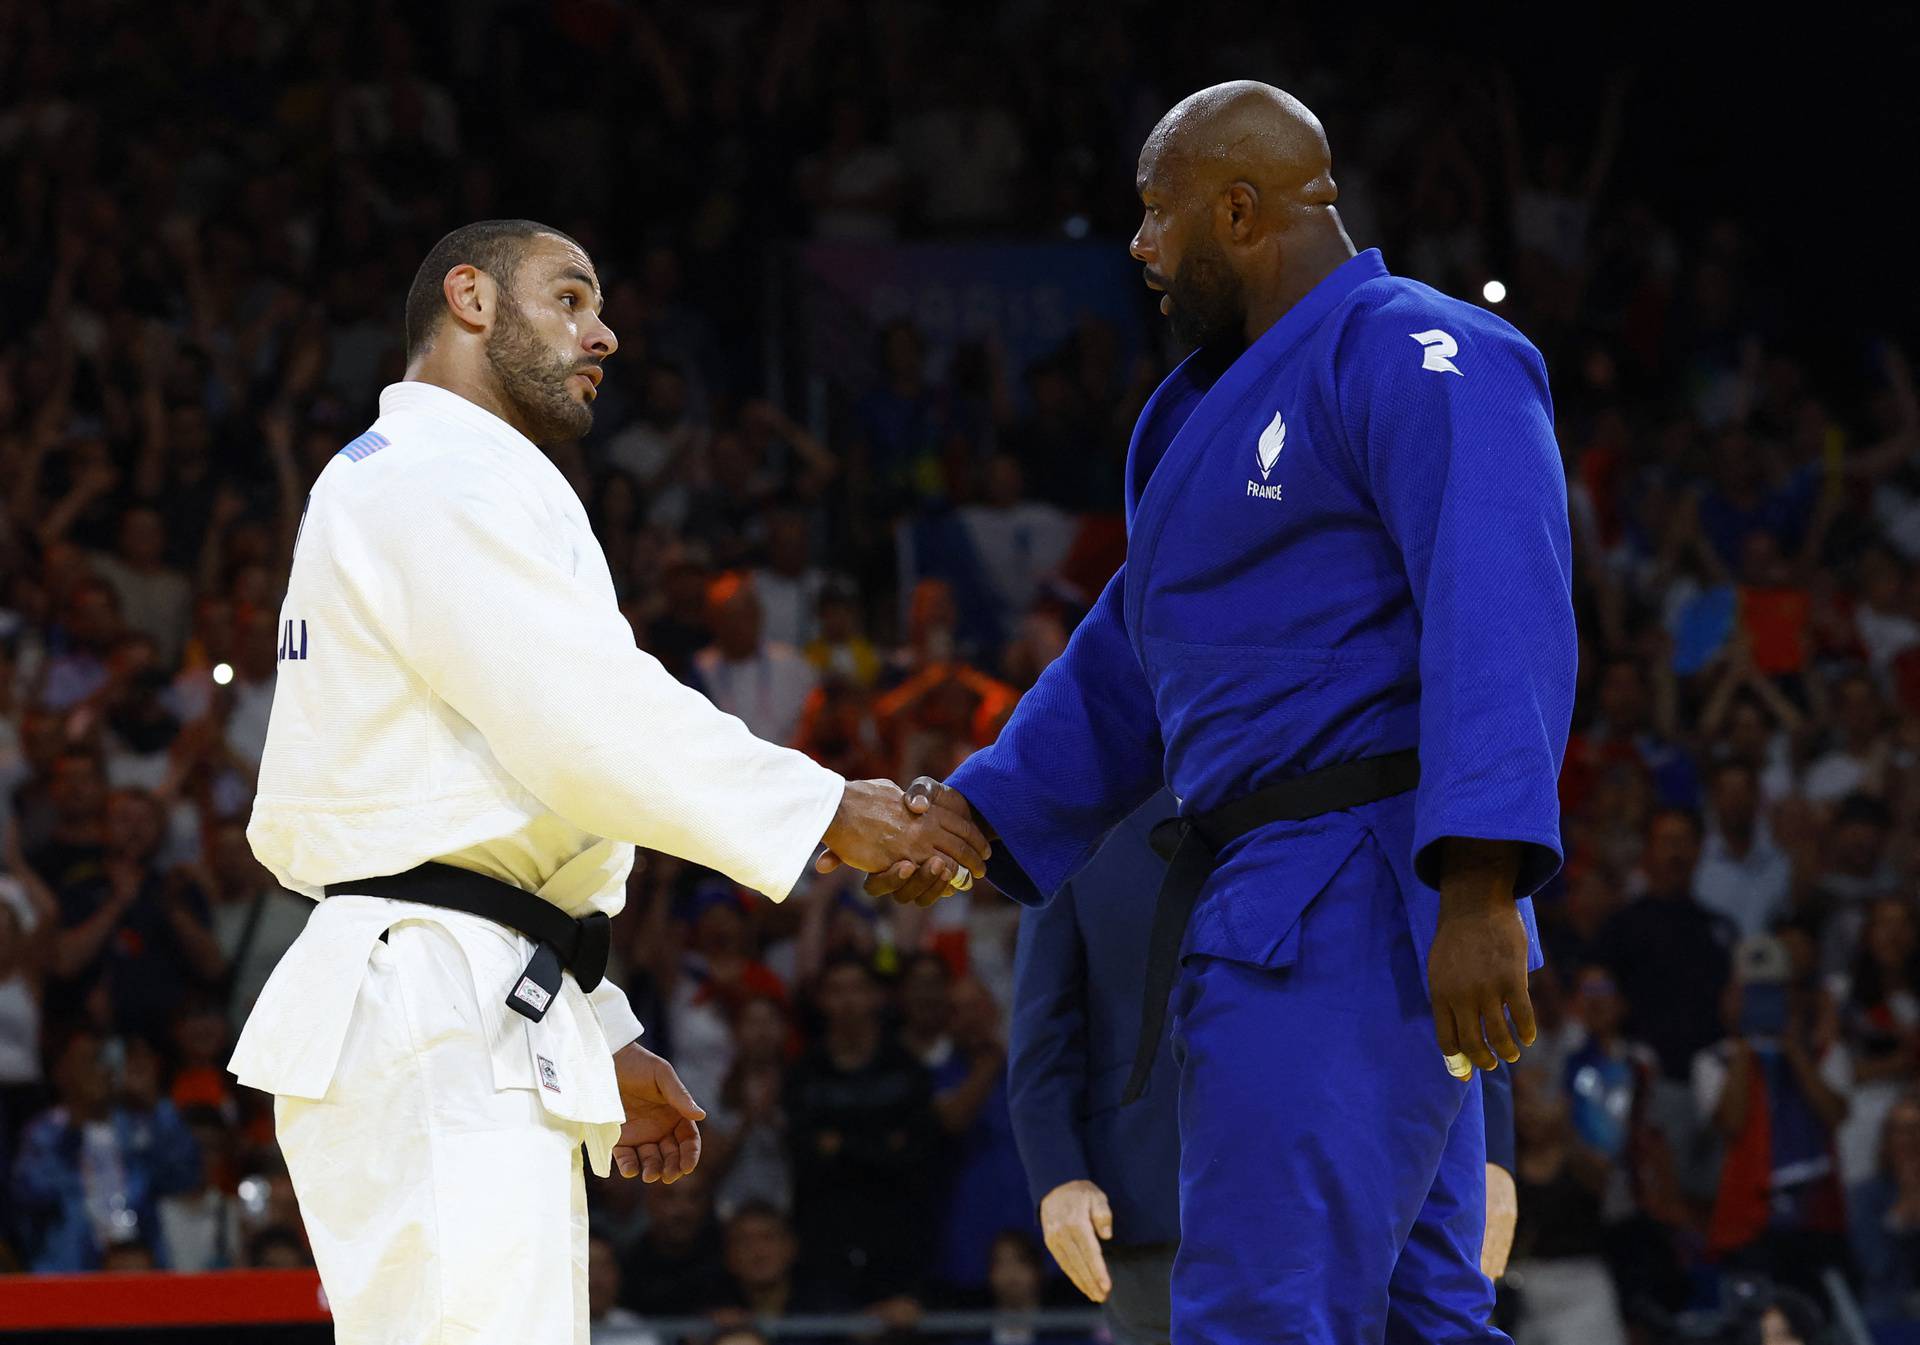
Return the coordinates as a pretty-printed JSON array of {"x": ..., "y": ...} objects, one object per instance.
[
  {"x": 563, "y": 943},
  {"x": 1191, "y": 843}
]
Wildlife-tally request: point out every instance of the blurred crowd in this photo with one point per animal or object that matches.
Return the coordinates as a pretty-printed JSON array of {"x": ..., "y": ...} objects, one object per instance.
[{"x": 211, "y": 212}]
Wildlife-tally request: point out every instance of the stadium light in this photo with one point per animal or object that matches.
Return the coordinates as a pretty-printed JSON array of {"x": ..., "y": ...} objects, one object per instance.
[
  {"x": 1493, "y": 291},
  {"x": 222, "y": 673}
]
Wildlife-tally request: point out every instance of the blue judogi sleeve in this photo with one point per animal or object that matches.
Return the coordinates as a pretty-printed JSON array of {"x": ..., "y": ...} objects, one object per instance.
[
  {"x": 1463, "y": 466},
  {"x": 1081, "y": 751},
  {"x": 1047, "y": 1046}
]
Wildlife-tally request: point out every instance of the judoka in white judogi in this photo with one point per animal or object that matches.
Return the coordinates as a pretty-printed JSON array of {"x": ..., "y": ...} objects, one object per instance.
[{"x": 458, "y": 684}]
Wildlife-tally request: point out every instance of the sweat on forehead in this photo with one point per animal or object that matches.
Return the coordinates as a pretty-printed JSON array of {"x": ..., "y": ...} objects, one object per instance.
[{"x": 1240, "y": 130}]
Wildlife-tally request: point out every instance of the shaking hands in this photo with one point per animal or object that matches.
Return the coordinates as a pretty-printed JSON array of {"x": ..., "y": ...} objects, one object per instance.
[{"x": 917, "y": 845}]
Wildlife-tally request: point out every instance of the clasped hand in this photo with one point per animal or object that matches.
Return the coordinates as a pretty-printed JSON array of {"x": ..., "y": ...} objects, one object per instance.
[{"x": 917, "y": 845}]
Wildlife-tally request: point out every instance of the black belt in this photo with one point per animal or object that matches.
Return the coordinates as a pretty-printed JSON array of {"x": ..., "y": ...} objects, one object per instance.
[
  {"x": 1190, "y": 845},
  {"x": 579, "y": 946}
]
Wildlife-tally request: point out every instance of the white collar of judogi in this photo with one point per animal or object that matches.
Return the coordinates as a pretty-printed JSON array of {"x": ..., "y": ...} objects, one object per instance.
[{"x": 433, "y": 400}]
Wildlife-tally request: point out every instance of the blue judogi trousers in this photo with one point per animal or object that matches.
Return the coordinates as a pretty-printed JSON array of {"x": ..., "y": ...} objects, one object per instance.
[{"x": 1332, "y": 1173}]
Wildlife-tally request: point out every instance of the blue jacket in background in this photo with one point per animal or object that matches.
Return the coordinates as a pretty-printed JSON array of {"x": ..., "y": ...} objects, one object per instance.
[
  {"x": 1076, "y": 1019},
  {"x": 156, "y": 1155}
]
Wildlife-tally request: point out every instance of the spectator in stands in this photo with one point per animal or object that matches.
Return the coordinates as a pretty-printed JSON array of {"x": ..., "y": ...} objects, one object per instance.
[
  {"x": 659, "y": 448},
  {"x": 1748, "y": 719},
  {"x": 838, "y": 729},
  {"x": 604, "y": 1313},
  {"x": 676, "y": 1269},
  {"x": 727, "y": 504},
  {"x": 861, "y": 1125},
  {"x": 1880, "y": 1028},
  {"x": 854, "y": 182},
  {"x": 156, "y": 598},
  {"x": 1667, "y": 952},
  {"x": 72, "y": 852},
  {"x": 766, "y": 684},
  {"x": 761, "y": 1259},
  {"x": 745, "y": 1132},
  {"x": 244, "y": 705},
  {"x": 841, "y": 650},
  {"x": 77, "y": 667},
  {"x": 896, "y": 449},
  {"x": 1775, "y": 1090},
  {"x": 1856, "y": 874},
  {"x": 1886, "y": 628},
  {"x": 1861, "y": 757},
  {"x": 681, "y": 629},
  {"x": 720, "y": 972},
  {"x": 941, "y": 712},
  {"x": 141, "y": 934},
  {"x": 1884, "y": 1218},
  {"x": 789, "y": 584},
  {"x": 29, "y": 915},
  {"x": 1558, "y": 1239},
  {"x": 1630, "y": 729},
  {"x": 1016, "y": 1279},
  {"x": 1612, "y": 1086},
  {"x": 1742, "y": 874},
  {"x": 988, "y": 1193},
  {"x": 1606, "y": 1075},
  {"x": 141, "y": 727},
  {"x": 201, "y": 1226},
  {"x": 91, "y": 1170},
  {"x": 1019, "y": 541},
  {"x": 255, "y": 920}
]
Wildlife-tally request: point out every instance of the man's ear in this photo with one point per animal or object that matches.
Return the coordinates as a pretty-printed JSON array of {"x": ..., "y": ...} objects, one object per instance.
[
  {"x": 472, "y": 297},
  {"x": 1242, "y": 201}
]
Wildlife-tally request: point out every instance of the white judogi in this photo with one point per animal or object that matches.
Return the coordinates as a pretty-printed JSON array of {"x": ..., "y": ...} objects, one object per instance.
[{"x": 457, "y": 683}]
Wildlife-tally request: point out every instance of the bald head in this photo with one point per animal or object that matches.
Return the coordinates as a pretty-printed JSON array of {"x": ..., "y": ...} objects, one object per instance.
[
  {"x": 1237, "y": 185},
  {"x": 1243, "y": 131}
]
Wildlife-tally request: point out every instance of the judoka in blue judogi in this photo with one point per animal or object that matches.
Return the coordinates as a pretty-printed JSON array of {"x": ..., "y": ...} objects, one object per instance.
[{"x": 1348, "y": 546}]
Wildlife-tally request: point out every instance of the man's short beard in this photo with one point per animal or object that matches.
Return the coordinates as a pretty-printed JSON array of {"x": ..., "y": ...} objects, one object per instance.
[
  {"x": 533, "y": 380},
  {"x": 1207, "y": 306}
]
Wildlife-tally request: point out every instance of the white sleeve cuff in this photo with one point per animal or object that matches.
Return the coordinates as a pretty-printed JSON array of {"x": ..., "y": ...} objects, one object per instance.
[{"x": 616, "y": 1016}]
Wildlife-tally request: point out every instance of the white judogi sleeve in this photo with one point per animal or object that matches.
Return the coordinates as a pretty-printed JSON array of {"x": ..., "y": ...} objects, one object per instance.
[{"x": 477, "y": 597}]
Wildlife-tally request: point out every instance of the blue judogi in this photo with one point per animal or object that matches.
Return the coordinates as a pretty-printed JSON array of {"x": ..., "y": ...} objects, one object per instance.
[{"x": 1350, "y": 540}]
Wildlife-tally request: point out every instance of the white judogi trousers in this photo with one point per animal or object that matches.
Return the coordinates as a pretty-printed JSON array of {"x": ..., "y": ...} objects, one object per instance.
[{"x": 442, "y": 1210}]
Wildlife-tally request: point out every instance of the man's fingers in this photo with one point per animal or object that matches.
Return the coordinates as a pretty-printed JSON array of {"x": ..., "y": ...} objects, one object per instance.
[
  {"x": 1493, "y": 1016},
  {"x": 626, "y": 1162},
  {"x": 1102, "y": 1215},
  {"x": 1102, "y": 1281},
  {"x": 930, "y": 879},
  {"x": 827, "y": 862},
  {"x": 886, "y": 882},
  {"x": 1444, "y": 1033},
  {"x": 1074, "y": 1248},
  {"x": 649, "y": 1155},
  {"x": 689, "y": 1146},
  {"x": 1520, "y": 1005},
  {"x": 960, "y": 838},
  {"x": 677, "y": 1095},
  {"x": 1473, "y": 1039},
  {"x": 1447, "y": 1034},
  {"x": 669, "y": 1159}
]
